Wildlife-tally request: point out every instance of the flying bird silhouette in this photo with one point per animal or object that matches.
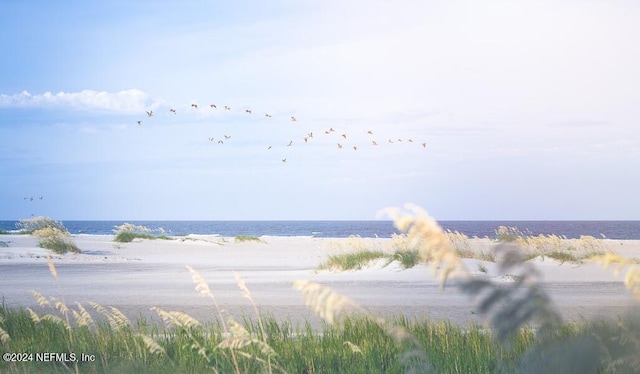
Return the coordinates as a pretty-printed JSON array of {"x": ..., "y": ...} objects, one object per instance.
[
  {"x": 344, "y": 136},
  {"x": 211, "y": 138},
  {"x": 172, "y": 111},
  {"x": 267, "y": 115},
  {"x": 195, "y": 105},
  {"x": 139, "y": 123},
  {"x": 339, "y": 145},
  {"x": 226, "y": 107},
  {"x": 213, "y": 106},
  {"x": 284, "y": 160},
  {"x": 248, "y": 111},
  {"x": 227, "y": 136},
  {"x": 220, "y": 142},
  {"x": 289, "y": 145},
  {"x": 424, "y": 145},
  {"x": 374, "y": 142},
  {"x": 370, "y": 132},
  {"x": 293, "y": 119},
  {"x": 150, "y": 113}
]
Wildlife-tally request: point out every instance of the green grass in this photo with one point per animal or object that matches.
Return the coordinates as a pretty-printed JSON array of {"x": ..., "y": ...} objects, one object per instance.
[
  {"x": 128, "y": 236},
  {"x": 358, "y": 345},
  {"x": 351, "y": 261},
  {"x": 247, "y": 238}
]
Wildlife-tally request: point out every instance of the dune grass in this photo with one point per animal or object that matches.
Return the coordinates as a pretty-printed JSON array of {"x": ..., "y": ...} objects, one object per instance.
[
  {"x": 351, "y": 261},
  {"x": 52, "y": 234},
  {"x": 127, "y": 232},
  {"x": 247, "y": 238}
]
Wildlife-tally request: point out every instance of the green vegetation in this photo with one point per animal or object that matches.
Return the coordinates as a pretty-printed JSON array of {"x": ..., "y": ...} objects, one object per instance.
[
  {"x": 246, "y": 238},
  {"x": 53, "y": 235},
  {"x": 126, "y": 232},
  {"x": 351, "y": 261},
  {"x": 525, "y": 334},
  {"x": 359, "y": 345}
]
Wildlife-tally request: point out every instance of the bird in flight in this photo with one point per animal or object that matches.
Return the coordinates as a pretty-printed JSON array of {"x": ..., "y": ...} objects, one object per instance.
[
  {"x": 374, "y": 142},
  {"x": 344, "y": 136},
  {"x": 211, "y": 138},
  {"x": 248, "y": 111},
  {"x": 289, "y": 145},
  {"x": 226, "y": 107},
  {"x": 424, "y": 145},
  {"x": 267, "y": 115},
  {"x": 339, "y": 145},
  {"x": 195, "y": 105},
  {"x": 172, "y": 111},
  {"x": 213, "y": 106},
  {"x": 284, "y": 160},
  {"x": 410, "y": 140},
  {"x": 270, "y": 147},
  {"x": 310, "y": 134},
  {"x": 355, "y": 148},
  {"x": 293, "y": 119},
  {"x": 139, "y": 123},
  {"x": 227, "y": 136},
  {"x": 390, "y": 141},
  {"x": 41, "y": 197},
  {"x": 370, "y": 132},
  {"x": 149, "y": 113},
  {"x": 220, "y": 142}
]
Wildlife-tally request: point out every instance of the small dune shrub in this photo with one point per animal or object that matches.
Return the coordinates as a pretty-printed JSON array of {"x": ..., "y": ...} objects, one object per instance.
[
  {"x": 351, "y": 261},
  {"x": 246, "y": 238},
  {"x": 56, "y": 240},
  {"x": 126, "y": 232},
  {"x": 29, "y": 225},
  {"x": 408, "y": 258}
]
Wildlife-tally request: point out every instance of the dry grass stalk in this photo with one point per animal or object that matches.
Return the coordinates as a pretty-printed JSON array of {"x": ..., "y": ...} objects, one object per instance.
[
  {"x": 632, "y": 277},
  {"x": 152, "y": 346},
  {"x": 323, "y": 301},
  {"x": 4, "y": 336},
  {"x": 433, "y": 245}
]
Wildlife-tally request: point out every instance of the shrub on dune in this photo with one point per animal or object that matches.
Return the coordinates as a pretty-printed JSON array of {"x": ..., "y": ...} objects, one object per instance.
[
  {"x": 126, "y": 232},
  {"x": 53, "y": 235}
]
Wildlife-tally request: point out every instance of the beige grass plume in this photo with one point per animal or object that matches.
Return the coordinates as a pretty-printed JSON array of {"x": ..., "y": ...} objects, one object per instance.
[{"x": 424, "y": 233}]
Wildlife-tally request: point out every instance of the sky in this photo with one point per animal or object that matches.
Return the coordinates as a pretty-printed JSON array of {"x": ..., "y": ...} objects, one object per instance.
[{"x": 494, "y": 110}]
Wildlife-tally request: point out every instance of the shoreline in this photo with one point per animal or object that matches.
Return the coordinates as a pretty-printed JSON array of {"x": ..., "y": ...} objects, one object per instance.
[{"x": 137, "y": 276}]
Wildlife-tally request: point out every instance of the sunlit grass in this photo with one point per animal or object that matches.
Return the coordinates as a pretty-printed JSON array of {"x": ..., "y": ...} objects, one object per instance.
[
  {"x": 247, "y": 238},
  {"x": 127, "y": 232}
]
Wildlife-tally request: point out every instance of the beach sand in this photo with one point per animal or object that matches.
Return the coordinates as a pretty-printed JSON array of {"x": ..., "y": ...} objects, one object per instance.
[{"x": 136, "y": 276}]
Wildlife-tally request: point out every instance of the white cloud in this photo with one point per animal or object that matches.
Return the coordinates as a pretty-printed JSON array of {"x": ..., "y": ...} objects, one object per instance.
[{"x": 126, "y": 101}]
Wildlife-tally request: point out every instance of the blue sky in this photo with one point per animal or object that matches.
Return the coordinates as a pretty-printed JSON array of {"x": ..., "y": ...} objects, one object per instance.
[{"x": 529, "y": 109}]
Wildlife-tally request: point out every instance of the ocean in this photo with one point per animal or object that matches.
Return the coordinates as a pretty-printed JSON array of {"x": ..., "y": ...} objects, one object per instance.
[{"x": 623, "y": 230}]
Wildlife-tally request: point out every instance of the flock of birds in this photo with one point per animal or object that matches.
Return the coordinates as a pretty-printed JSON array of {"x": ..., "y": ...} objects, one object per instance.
[{"x": 341, "y": 141}]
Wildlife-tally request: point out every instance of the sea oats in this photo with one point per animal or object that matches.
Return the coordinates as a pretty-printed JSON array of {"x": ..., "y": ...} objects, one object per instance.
[
  {"x": 354, "y": 348},
  {"x": 152, "y": 346},
  {"x": 120, "y": 319},
  {"x": 34, "y": 316},
  {"x": 4, "y": 336},
  {"x": 42, "y": 301},
  {"x": 323, "y": 301},
  {"x": 52, "y": 268},
  {"x": 178, "y": 319},
  {"x": 201, "y": 285}
]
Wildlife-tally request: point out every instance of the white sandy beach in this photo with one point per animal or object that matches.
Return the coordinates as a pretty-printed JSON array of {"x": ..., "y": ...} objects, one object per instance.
[{"x": 137, "y": 276}]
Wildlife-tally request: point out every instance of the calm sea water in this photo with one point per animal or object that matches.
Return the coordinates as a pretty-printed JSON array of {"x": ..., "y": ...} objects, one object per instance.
[{"x": 366, "y": 229}]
